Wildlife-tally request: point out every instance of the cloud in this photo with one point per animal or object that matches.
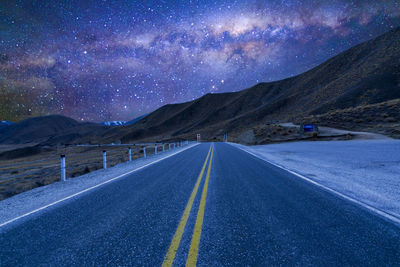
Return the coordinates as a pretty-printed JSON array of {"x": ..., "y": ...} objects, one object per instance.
[
  {"x": 32, "y": 84},
  {"x": 237, "y": 25},
  {"x": 41, "y": 62},
  {"x": 135, "y": 41},
  {"x": 221, "y": 40},
  {"x": 29, "y": 62}
]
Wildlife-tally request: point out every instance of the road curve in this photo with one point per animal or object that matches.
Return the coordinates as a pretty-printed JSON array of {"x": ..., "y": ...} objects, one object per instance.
[{"x": 214, "y": 205}]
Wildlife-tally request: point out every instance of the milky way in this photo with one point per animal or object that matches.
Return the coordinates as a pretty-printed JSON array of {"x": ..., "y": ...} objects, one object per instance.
[{"x": 115, "y": 60}]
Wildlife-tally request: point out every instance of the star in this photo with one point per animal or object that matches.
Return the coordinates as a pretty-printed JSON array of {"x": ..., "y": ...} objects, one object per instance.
[{"x": 119, "y": 60}]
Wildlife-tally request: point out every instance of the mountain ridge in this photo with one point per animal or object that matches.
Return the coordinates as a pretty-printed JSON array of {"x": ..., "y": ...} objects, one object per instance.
[
  {"x": 367, "y": 73},
  {"x": 342, "y": 81}
]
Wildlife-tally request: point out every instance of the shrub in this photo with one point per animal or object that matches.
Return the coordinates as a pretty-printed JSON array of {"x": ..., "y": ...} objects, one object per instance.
[{"x": 86, "y": 170}]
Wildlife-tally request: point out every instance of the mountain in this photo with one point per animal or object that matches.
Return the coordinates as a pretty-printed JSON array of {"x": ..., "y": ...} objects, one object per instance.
[
  {"x": 59, "y": 130},
  {"x": 4, "y": 124},
  {"x": 135, "y": 120},
  {"x": 52, "y": 129},
  {"x": 113, "y": 123},
  {"x": 368, "y": 73},
  {"x": 121, "y": 123},
  {"x": 364, "y": 75}
]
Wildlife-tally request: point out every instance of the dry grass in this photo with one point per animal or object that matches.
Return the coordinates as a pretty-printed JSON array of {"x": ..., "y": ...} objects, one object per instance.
[
  {"x": 22, "y": 174},
  {"x": 382, "y": 118}
]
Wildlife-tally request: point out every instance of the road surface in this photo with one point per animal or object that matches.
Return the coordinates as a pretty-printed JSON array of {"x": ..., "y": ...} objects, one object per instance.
[{"x": 236, "y": 211}]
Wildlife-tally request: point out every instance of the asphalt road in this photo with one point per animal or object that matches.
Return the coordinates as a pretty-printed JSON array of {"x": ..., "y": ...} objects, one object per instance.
[{"x": 238, "y": 211}]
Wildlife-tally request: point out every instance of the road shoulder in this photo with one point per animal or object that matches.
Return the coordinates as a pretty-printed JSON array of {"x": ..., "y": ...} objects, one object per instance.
[
  {"x": 339, "y": 172},
  {"x": 38, "y": 199}
]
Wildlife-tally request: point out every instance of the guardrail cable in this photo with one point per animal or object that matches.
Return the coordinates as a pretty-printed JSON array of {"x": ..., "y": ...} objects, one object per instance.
[{"x": 91, "y": 158}]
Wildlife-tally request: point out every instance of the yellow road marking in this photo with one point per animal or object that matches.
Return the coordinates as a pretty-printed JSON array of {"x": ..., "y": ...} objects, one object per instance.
[
  {"x": 194, "y": 245},
  {"x": 170, "y": 256}
]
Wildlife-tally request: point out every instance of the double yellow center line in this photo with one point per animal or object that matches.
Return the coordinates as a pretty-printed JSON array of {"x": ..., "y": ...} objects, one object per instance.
[{"x": 194, "y": 245}]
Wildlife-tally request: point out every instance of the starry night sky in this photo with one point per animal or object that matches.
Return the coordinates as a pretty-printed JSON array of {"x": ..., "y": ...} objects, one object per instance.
[{"x": 115, "y": 60}]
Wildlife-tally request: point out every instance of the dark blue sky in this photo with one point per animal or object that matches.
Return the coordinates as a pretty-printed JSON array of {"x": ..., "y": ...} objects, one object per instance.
[{"x": 115, "y": 60}]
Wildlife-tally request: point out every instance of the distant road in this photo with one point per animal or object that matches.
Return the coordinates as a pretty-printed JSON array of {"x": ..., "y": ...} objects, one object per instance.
[{"x": 238, "y": 211}]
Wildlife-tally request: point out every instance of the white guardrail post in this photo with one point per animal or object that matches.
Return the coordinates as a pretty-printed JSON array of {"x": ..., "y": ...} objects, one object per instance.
[
  {"x": 155, "y": 149},
  {"x": 63, "y": 171},
  {"x": 163, "y": 147},
  {"x": 130, "y": 154},
  {"x": 144, "y": 152},
  {"x": 104, "y": 159}
]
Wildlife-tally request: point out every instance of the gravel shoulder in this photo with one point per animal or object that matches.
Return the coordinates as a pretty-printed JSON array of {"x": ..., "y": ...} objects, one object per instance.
[{"x": 365, "y": 170}]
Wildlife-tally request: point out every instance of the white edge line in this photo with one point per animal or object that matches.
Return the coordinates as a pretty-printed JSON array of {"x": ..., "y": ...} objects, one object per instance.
[
  {"x": 91, "y": 188},
  {"x": 375, "y": 210}
]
